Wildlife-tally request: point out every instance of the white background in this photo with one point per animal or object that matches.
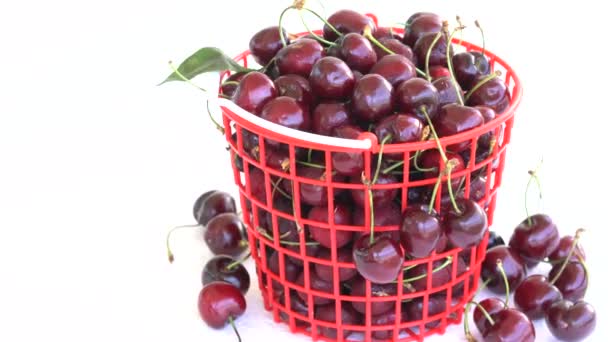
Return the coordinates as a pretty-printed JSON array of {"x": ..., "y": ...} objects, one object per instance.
[{"x": 96, "y": 162}]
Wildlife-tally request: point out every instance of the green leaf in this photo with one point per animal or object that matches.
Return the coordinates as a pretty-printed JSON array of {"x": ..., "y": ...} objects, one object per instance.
[{"x": 207, "y": 59}]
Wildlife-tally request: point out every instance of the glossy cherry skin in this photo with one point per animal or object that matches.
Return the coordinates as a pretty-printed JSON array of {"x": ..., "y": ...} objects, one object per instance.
[
  {"x": 197, "y": 209},
  {"x": 224, "y": 234},
  {"x": 494, "y": 94},
  {"x": 299, "y": 57},
  {"x": 534, "y": 295},
  {"x": 372, "y": 98},
  {"x": 229, "y": 89},
  {"x": 453, "y": 119},
  {"x": 216, "y": 269},
  {"x": 495, "y": 240},
  {"x": 381, "y": 197},
  {"x": 438, "y": 71},
  {"x": 331, "y": 78},
  {"x": 276, "y": 157},
  {"x": 420, "y": 232},
  {"x": 286, "y": 111},
  {"x": 536, "y": 241},
  {"x": 296, "y": 87},
  {"x": 379, "y": 261},
  {"x": 357, "y": 52},
  {"x": 384, "y": 216},
  {"x": 401, "y": 127},
  {"x": 388, "y": 319},
  {"x": 327, "y": 313},
  {"x": 219, "y": 301},
  {"x": 312, "y": 194},
  {"x": 510, "y": 325},
  {"x": 395, "y": 46},
  {"x": 438, "y": 53},
  {"x": 347, "y": 21},
  {"x": 469, "y": 65},
  {"x": 325, "y": 272},
  {"x": 316, "y": 284},
  {"x": 342, "y": 216},
  {"x": 395, "y": 69},
  {"x": 571, "y": 321},
  {"x": 492, "y": 306},
  {"x": 328, "y": 116},
  {"x": 419, "y": 24},
  {"x": 431, "y": 159},
  {"x": 562, "y": 250},
  {"x": 254, "y": 91},
  {"x": 488, "y": 114},
  {"x": 385, "y": 32},
  {"x": 573, "y": 282},
  {"x": 265, "y": 44},
  {"x": 467, "y": 228},
  {"x": 377, "y": 290},
  {"x": 415, "y": 94},
  {"x": 347, "y": 163},
  {"x": 512, "y": 263},
  {"x": 448, "y": 93},
  {"x": 436, "y": 305}
]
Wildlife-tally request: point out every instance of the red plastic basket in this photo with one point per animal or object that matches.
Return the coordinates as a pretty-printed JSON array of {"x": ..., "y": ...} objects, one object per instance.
[{"x": 279, "y": 292}]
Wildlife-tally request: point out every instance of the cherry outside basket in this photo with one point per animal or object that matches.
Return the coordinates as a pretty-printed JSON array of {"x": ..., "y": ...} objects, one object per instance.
[{"x": 265, "y": 217}]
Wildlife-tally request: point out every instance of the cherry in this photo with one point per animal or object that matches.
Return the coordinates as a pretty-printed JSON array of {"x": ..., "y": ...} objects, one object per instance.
[
  {"x": 296, "y": 305},
  {"x": 435, "y": 306},
  {"x": 224, "y": 235},
  {"x": 430, "y": 160},
  {"x": 535, "y": 238},
  {"x": 347, "y": 163},
  {"x": 437, "y": 54},
  {"x": 402, "y": 128},
  {"x": 379, "y": 260},
  {"x": 257, "y": 182},
  {"x": 417, "y": 95},
  {"x": 465, "y": 226},
  {"x": 469, "y": 65},
  {"x": 395, "y": 69},
  {"x": 226, "y": 269},
  {"x": 342, "y": 216},
  {"x": 312, "y": 194},
  {"x": 211, "y": 204},
  {"x": 254, "y": 91},
  {"x": 291, "y": 270},
  {"x": 495, "y": 240},
  {"x": 454, "y": 119},
  {"x": 231, "y": 83},
  {"x": 494, "y": 94},
  {"x": 573, "y": 280},
  {"x": 220, "y": 303},
  {"x": 327, "y": 313},
  {"x": 492, "y": 306},
  {"x": 442, "y": 244},
  {"x": 510, "y": 325},
  {"x": 420, "y": 232},
  {"x": 372, "y": 98},
  {"x": 311, "y": 250},
  {"x": 395, "y": 46},
  {"x": 347, "y": 21},
  {"x": 331, "y": 78},
  {"x": 385, "y": 32},
  {"x": 563, "y": 248},
  {"x": 381, "y": 197},
  {"x": 285, "y": 111},
  {"x": 296, "y": 87},
  {"x": 299, "y": 57},
  {"x": 325, "y": 272},
  {"x": 512, "y": 263},
  {"x": 385, "y": 216},
  {"x": 316, "y": 284},
  {"x": 485, "y": 141},
  {"x": 276, "y": 158},
  {"x": 448, "y": 94},
  {"x": 438, "y": 71},
  {"x": 377, "y": 290},
  {"x": 328, "y": 116},
  {"x": 386, "y": 319},
  {"x": 571, "y": 321},
  {"x": 357, "y": 52},
  {"x": 534, "y": 295},
  {"x": 419, "y": 24},
  {"x": 441, "y": 274},
  {"x": 265, "y": 44}
]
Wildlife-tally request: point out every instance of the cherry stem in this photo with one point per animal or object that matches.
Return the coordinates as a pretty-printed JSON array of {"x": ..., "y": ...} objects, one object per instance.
[
  {"x": 309, "y": 156},
  {"x": 281, "y": 34},
  {"x": 577, "y": 237},
  {"x": 312, "y": 33},
  {"x": 467, "y": 329},
  {"x": 435, "y": 136},
  {"x": 230, "y": 83},
  {"x": 367, "y": 33},
  {"x": 380, "y": 153},
  {"x": 317, "y": 166},
  {"x": 231, "y": 321},
  {"x": 481, "y": 83},
  {"x": 396, "y": 165},
  {"x": 428, "y": 55},
  {"x": 483, "y": 39},
  {"x": 275, "y": 187},
  {"x": 449, "y": 167},
  {"x": 434, "y": 195},
  {"x": 417, "y": 167},
  {"x": 340, "y": 34},
  {"x": 461, "y": 25},
  {"x": 370, "y": 195},
  {"x": 170, "y": 255},
  {"x": 501, "y": 269},
  {"x": 445, "y": 264},
  {"x": 238, "y": 262},
  {"x": 265, "y": 234},
  {"x": 451, "y": 67},
  {"x": 533, "y": 176}
]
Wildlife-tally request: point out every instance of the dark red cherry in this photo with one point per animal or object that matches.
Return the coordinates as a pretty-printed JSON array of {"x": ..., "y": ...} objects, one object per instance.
[
  {"x": 448, "y": 93},
  {"x": 347, "y": 21},
  {"x": 467, "y": 228},
  {"x": 357, "y": 52},
  {"x": 495, "y": 240},
  {"x": 401, "y": 127},
  {"x": 416, "y": 95},
  {"x": 385, "y": 32},
  {"x": 224, "y": 234},
  {"x": 316, "y": 284},
  {"x": 573, "y": 281},
  {"x": 254, "y": 91},
  {"x": 312, "y": 194},
  {"x": 438, "y": 53},
  {"x": 535, "y": 239},
  {"x": 219, "y": 302},
  {"x": 431, "y": 160},
  {"x": 298, "y": 306},
  {"x": 216, "y": 269},
  {"x": 395, "y": 46},
  {"x": 435, "y": 306},
  {"x": 265, "y": 44},
  {"x": 327, "y": 313},
  {"x": 438, "y": 71},
  {"x": 569, "y": 321},
  {"x": 325, "y": 272},
  {"x": 347, "y": 163},
  {"x": 296, "y": 87},
  {"x": 492, "y": 307},
  {"x": 379, "y": 261},
  {"x": 440, "y": 275},
  {"x": 276, "y": 157},
  {"x": 328, "y": 116},
  {"x": 291, "y": 270},
  {"x": 331, "y": 78},
  {"x": 342, "y": 216},
  {"x": 420, "y": 232},
  {"x": 494, "y": 94},
  {"x": 419, "y": 24},
  {"x": 562, "y": 250},
  {"x": 512, "y": 326},
  {"x": 197, "y": 209},
  {"x": 512, "y": 263},
  {"x": 387, "y": 319},
  {"x": 442, "y": 244},
  {"x": 299, "y": 57},
  {"x": 381, "y": 197},
  {"x": 384, "y": 216},
  {"x": 372, "y": 98},
  {"x": 311, "y": 250},
  {"x": 453, "y": 119},
  {"x": 377, "y": 290},
  {"x": 534, "y": 296},
  {"x": 395, "y": 69},
  {"x": 286, "y": 111},
  {"x": 469, "y": 65},
  {"x": 229, "y": 89},
  {"x": 257, "y": 181},
  {"x": 488, "y": 114}
]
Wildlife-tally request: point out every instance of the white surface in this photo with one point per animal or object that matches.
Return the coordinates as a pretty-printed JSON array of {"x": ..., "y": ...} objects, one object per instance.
[{"x": 96, "y": 162}]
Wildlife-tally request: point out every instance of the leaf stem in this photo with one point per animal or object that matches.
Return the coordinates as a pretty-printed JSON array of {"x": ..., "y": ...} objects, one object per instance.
[{"x": 184, "y": 78}]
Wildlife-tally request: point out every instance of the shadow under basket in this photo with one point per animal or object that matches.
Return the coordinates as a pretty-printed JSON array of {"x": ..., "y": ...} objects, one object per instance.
[{"x": 279, "y": 225}]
